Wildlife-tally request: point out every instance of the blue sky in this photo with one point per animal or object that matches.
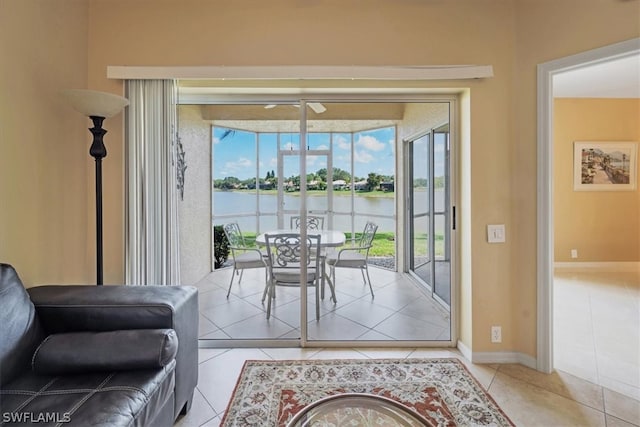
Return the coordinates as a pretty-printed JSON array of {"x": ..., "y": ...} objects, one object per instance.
[{"x": 235, "y": 155}]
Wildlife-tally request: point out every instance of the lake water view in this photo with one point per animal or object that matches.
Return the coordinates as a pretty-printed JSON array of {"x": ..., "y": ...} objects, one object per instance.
[{"x": 241, "y": 206}]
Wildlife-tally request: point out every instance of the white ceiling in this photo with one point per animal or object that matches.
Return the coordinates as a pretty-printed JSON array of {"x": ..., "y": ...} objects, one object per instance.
[{"x": 618, "y": 78}]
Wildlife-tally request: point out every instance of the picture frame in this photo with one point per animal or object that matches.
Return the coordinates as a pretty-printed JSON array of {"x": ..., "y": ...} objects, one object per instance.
[{"x": 605, "y": 166}]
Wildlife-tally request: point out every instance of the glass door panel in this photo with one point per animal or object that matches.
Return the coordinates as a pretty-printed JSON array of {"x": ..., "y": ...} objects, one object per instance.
[
  {"x": 429, "y": 212},
  {"x": 442, "y": 225},
  {"x": 317, "y": 200},
  {"x": 420, "y": 253},
  {"x": 290, "y": 179}
]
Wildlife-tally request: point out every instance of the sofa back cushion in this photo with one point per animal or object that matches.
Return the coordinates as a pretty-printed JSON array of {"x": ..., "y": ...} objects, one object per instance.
[
  {"x": 20, "y": 331},
  {"x": 124, "y": 350}
]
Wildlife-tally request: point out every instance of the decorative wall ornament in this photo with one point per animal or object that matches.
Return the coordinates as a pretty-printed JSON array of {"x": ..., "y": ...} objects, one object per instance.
[
  {"x": 604, "y": 166},
  {"x": 181, "y": 167}
]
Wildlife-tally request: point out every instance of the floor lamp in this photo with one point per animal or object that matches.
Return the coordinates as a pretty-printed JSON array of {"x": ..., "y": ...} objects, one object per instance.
[{"x": 97, "y": 106}]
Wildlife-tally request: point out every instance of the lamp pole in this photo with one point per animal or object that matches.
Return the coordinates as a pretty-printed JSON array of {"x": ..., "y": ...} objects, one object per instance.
[
  {"x": 98, "y": 151},
  {"x": 97, "y": 106}
]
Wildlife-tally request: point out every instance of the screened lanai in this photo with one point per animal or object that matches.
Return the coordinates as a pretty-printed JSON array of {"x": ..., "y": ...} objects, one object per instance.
[{"x": 385, "y": 161}]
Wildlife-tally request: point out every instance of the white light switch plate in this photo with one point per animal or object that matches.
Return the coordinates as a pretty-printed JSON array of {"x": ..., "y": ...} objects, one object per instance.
[{"x": 496, "y": 233}]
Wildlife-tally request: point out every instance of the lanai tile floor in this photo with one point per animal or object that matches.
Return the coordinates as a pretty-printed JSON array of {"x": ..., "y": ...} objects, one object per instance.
[{"x": 399, "y": 310}]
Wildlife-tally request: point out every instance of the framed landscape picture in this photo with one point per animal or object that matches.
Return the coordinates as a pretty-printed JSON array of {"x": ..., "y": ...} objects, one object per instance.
[{"x": 605, "y": 166}]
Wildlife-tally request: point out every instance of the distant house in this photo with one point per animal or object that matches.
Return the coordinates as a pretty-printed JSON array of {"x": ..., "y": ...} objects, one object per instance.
[
  {"x": 360, "y": 185},
  {"x": 387, "y": 186},
  {"x": 339, "y": 184},
  {"x": 263, "y": 186}
]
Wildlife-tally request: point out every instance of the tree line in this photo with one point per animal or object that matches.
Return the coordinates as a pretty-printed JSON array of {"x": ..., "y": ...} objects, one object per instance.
[{"x": 317, "y": 180}]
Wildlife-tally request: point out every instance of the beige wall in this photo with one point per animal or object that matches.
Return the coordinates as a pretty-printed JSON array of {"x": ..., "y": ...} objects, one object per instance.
[
  {"x": 44, "y": 144},
  {"x": 237, "y": 33},
  {"x": 546, "y": 30},
  {"x": 604, "y": 226},
  {"x": 512, "y": 35}
]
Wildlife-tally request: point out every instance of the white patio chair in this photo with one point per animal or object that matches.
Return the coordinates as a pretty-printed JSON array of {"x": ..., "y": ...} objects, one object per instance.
[
  {"x": 285, "y": 262},
  {"x": 244, "y": 257},
  {"x": 354, "y": 256},
  {"x": 313, "y": 222}
]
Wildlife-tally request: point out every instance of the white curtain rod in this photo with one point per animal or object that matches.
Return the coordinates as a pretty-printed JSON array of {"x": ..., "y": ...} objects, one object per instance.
[{"x": 316, "y": 72}]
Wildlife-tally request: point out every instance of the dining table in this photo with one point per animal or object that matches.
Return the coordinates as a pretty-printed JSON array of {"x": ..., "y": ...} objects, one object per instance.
[{"x": 328, "y": 239}]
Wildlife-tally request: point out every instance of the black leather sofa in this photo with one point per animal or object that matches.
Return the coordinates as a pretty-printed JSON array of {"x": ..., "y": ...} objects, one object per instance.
[{"x": 96, "y": 355}]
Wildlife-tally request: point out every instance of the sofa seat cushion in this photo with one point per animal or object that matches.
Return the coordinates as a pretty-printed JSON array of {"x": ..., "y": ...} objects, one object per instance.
[{"x": 119, "y": 398}]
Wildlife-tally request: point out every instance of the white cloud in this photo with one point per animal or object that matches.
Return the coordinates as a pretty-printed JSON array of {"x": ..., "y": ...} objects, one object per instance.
[
  {"x": 392, "y": 145},
  {"x": 370, "y": 143},
  {"x": 342, "y": 143},
  {"x": 216, "y": 140},
  {"x": 322, "y": 147},
  {"x": 362, "y": 156},
  {"x": 289, "y": 146},
  {"x": 240, "y": 165}
]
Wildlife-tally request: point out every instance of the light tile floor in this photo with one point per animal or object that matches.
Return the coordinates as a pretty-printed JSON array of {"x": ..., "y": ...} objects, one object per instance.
[
  {"x": 595, "y": 341},
  {"x": 528, "y": 397},
  {"x": 399, "y": 310},
  {"x": 597, "y": 328}
]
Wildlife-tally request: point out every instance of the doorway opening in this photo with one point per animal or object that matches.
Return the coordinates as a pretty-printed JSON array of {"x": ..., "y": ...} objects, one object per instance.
[
  {"x": 353, "y": 157},
  {"x": 547, "y": 72}
]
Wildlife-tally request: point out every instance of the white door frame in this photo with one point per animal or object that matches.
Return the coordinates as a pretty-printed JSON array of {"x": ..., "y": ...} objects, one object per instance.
[{"x": 545, "y": 255}]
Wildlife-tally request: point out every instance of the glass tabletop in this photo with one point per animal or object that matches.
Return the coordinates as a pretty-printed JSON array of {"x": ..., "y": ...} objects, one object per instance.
[{"x": 357, "y": 409}]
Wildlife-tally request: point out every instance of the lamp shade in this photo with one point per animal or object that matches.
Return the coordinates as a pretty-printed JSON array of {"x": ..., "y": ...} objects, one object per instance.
[{"x": 95, "y": 103}]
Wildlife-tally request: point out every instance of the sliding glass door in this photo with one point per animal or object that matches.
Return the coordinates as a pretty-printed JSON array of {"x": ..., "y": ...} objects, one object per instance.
[
  {"x": 429, "y": 211},
  {"x": 342, "y": 161}
]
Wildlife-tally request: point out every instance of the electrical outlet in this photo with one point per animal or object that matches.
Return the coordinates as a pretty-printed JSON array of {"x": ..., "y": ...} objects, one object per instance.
[
  {"x": 496, "y": 334},
  {"x": 574, "y": 253}
]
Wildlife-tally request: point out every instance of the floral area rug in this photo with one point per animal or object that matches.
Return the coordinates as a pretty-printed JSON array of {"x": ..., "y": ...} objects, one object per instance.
[{"x": 270, "y": 393}]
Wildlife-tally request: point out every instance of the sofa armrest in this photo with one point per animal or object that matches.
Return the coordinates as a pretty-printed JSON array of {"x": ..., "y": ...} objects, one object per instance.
[{"x": 109, "y": 308}]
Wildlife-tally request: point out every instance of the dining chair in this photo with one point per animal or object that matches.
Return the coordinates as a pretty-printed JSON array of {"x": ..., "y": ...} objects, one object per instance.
[
  {"x": 313, "y": 222},
  {"x": 354, "y": 256},
  {"x": 244, "y": 257},
  {"x": 285, "y": 264}
]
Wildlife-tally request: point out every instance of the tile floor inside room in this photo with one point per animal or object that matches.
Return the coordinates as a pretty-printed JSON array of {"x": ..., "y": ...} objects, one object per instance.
[
  {"x": 528, "y": 397},
  {"x": 595, "y": 387},
  {"x": 597, "y": 328}
]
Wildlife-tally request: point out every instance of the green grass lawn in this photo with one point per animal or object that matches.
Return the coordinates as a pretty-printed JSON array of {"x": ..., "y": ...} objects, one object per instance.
[{"x": 383, "y": 243}]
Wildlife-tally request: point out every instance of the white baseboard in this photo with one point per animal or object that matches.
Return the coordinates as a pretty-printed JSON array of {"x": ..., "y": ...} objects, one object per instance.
[
  {"x": 504, "y": 357},
  {"x": 466, "y": 352},
  {"x": 497, "y": 356},
  {"x": 622, "y": 266}
]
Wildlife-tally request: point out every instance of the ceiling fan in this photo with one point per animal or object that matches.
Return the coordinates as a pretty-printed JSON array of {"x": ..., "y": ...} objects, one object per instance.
[{"x": 317, "y": 107}]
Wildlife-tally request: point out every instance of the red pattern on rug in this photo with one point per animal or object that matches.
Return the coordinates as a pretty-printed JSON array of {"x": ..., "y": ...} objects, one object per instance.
[{"x": 270, "y": 393}]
